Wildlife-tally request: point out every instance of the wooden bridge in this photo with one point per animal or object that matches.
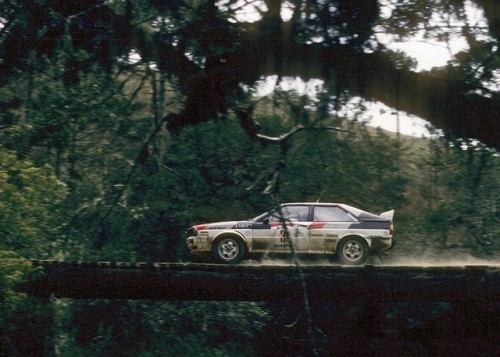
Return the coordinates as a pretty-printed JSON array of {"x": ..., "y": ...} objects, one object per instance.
[{"x": 188, "y": 281}]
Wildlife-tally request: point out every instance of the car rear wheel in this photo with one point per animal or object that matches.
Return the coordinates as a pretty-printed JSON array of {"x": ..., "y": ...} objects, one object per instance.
[
  {"x": 228, "y": 250},
  {"x": 352, "y": 251}
]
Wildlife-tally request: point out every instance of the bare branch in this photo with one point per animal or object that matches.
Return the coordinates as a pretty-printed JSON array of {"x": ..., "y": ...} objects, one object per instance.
[{"x": 253, "y": 127}]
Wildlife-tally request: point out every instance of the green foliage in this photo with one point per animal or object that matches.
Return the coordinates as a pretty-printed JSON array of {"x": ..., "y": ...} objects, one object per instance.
[
  {"x": 30, "y": 199},
  {"x": 152, "y": 329},
  {"x": 88, "y": 172},
  {"x": 462, "y": 195},
  {"x": 19, "y": 313},
  {"x": 14, "y": 270}
]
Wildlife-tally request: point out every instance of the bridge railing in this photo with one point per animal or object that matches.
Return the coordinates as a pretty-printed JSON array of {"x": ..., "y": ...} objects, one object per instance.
[{"x": 186, "y": 281}]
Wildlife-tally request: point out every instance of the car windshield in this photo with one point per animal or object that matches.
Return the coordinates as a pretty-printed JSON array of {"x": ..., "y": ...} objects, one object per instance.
[
  {"x": 260, "y": 217},
  {"x": 293, "y": 213}
]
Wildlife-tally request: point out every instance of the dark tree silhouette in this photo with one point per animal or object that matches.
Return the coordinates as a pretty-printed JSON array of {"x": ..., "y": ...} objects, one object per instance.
[{"x": 346, "y": 57}]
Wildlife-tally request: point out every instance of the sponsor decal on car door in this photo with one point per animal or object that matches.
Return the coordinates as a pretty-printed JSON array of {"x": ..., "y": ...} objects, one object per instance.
[{"x": 329, "y": 226}]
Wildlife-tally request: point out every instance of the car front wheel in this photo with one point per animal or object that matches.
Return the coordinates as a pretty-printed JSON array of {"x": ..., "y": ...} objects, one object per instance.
[
  {"x": 228, "y": 250},
  {"x": 352, "y": 251}
]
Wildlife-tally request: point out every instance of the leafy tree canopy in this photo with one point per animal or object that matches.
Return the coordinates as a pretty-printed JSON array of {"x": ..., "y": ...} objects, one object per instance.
[
  {"x": 29, "y": 200},
  {"x": 335, "y": 41}
]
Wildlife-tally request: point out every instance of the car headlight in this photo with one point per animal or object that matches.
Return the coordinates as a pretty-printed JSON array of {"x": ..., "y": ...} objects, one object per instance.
[{"x": 191, "y": 232}]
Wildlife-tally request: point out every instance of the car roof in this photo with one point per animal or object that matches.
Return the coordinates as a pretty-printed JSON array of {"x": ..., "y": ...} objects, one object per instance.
[
  {"x": 313, "y": 203},
  {"x": 318, "y": 204}
]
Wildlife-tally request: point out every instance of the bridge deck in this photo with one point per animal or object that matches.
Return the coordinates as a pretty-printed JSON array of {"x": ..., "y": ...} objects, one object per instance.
[{"x": 187, "y": 281}]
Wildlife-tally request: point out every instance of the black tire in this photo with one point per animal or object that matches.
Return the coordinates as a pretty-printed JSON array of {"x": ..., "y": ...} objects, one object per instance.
[
  {"x": 352, "y": 251},
  {"x": 228, "y": 250}
]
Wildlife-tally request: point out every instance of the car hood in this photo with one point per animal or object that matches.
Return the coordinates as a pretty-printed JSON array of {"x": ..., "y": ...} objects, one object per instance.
[{"x": 221, "y": 225}]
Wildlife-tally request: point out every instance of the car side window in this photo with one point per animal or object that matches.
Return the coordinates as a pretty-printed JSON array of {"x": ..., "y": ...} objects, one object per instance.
[
  {"x": 332, "y": 214},
  {"x": 292, "y": 214}
]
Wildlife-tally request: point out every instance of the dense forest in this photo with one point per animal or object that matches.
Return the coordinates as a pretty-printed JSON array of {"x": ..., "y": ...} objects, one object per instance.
[{"x": 123, "y": 122}]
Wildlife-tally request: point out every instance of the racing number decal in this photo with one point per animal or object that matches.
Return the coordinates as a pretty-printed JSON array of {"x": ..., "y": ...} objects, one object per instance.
[
  {"x": 283, "y": 241},
  {"x": 282, "y": 235}
]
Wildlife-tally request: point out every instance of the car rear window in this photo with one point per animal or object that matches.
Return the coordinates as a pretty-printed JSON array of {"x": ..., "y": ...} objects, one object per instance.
[{"x": 332, "y": 214}]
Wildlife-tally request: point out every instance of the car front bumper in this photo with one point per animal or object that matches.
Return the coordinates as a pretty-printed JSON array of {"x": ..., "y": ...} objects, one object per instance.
[{"x": 199, "y": 244}]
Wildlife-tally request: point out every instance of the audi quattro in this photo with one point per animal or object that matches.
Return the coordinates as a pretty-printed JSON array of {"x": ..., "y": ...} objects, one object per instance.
[{"x": 333, "y": 229}]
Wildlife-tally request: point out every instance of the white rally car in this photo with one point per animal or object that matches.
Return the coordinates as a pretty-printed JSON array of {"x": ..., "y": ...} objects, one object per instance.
[{"x": 303, "y": 228}]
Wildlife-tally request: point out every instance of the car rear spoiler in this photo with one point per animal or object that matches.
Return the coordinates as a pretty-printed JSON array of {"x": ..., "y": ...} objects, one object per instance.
[{"x": 388, "y": 214}]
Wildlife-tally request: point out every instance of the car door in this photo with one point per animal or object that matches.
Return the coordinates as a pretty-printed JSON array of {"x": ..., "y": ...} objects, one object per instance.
[
  {"x": 329, "y": 224},
  {"x": 281, "y": 227}
]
